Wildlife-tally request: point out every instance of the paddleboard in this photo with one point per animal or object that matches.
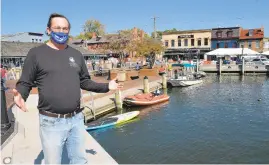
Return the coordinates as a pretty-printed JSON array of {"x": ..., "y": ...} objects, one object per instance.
[{"x": 113, "y": 120}]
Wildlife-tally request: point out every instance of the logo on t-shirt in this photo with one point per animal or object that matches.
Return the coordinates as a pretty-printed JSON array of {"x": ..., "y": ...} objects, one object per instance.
[{"x": 72, "y": 62}]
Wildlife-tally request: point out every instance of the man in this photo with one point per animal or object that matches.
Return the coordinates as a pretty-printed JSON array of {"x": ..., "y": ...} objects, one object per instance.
[{"x": 59, "y": 72}]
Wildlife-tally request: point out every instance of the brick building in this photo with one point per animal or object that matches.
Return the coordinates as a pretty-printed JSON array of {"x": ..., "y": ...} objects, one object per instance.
[
  {"x": 98, "y": 43},
  {"x": 225, "y": 37},
  {"x": 252, "y": 39}
]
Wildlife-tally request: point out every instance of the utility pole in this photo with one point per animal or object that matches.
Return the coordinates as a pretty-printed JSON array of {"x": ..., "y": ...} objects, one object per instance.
[{"x": 154, "y": 20}]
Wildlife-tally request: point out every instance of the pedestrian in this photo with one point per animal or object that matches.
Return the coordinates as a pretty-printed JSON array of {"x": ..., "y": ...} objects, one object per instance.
[
  {"x": 4, "y": 76},
  {"x": 60, "y": 73}
]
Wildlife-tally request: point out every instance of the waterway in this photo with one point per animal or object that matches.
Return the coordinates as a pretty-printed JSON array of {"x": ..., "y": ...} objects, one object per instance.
[{"x": 223, "y": 120}]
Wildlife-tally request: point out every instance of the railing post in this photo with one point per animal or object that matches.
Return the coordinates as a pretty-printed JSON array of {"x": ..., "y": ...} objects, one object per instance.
[{"x": 5, "y": 124}]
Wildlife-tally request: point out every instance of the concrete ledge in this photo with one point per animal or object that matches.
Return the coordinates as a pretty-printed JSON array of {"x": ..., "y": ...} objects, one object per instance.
[{"x": 25, "y": 147}]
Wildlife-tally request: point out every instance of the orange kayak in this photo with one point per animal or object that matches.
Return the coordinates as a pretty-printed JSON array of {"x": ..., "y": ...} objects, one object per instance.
[{"x": 145, "y": 99}]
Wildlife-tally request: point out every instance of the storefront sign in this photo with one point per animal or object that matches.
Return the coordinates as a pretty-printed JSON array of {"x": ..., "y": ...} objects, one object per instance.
[{"x": 186, "y": 36}]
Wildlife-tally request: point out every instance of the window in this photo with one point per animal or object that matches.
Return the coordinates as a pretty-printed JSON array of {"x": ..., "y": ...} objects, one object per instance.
[
  {"x": 192, "y": 42},
  {"x": 166, "y": 43},
  {"x": 234, "y": 45},
  {"x": 225, "y": 45},
  {"x": 250, "y": 32},
  {"x": 249, "y": 44},
  {"x": 229, "y": 33},
  {"x": 257, "y": 44},
  {"x": 205, "y": 41},
  {"x": 172, "y": 43},
  {"x": 185, "y": 42},
  {"x": 217, "y": 45},
  {"x": 219, "y": 34},
  {"x": 179, "y": 43},
  {"x": 199, "y": 42}
]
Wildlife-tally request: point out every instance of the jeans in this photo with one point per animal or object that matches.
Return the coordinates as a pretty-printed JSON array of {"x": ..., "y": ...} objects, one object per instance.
[{"x": 56, "y": 132}]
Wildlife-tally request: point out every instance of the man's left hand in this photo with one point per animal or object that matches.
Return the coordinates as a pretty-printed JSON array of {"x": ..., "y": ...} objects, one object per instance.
[{"x": 113, "y": 85}]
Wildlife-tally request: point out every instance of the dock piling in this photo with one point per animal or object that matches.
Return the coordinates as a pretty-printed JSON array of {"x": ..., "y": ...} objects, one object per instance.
[
  {"x": 118, "y": 100},
  {"x": 220, "y": 65},
  {"x": 146, "y": 84},
  {"x": 243, "y": 66},
  {"x": 164, "y": 81}
]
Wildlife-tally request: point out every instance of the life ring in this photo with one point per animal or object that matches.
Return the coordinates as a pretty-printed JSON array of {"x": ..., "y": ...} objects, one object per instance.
[{"x": 256, "y": 67}]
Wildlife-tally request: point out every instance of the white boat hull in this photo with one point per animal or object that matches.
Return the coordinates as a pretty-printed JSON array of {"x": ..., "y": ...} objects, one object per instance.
[{"x": 183, "y": 83}]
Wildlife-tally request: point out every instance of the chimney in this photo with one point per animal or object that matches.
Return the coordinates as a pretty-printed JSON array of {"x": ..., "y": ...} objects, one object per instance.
[
  {"x": 135, "y": 32},
  {"x": 262, "y": 28},
  {"x": 142, "y": 34},
  {"x": 93, "y": 35}
]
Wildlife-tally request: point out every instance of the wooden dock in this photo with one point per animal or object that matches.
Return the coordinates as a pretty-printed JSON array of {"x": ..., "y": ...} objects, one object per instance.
[
  {"x": 106, "y": 104},
  {"x": 235, "y": 69}
]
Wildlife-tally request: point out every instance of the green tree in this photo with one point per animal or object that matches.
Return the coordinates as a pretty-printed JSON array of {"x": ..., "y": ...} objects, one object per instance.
[
  {"x": 94, "y": 26},
  {"x": 149, "y": 48}
]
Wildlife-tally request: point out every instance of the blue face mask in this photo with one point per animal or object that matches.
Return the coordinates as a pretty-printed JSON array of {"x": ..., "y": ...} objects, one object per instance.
[{"x": 59, "y": 37}]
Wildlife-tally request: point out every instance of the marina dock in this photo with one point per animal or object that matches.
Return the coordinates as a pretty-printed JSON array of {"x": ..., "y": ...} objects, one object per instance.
[{"x": 24, "y": 146}]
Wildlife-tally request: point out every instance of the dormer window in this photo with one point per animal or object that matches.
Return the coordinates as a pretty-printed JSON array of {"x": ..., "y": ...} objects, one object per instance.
[
  {"x": 250, "y": 32},
  {"x": 230, "y": 34},
  {"x": 219, "y": 34}
]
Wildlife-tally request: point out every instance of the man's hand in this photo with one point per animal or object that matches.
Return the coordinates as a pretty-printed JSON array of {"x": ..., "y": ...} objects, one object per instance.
[
  {"x": 19, "y": 100},
  {"x": 113, "y": 85}
]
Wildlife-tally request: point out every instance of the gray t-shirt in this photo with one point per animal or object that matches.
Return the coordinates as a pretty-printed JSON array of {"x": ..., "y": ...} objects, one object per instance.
[{"x": 59, "y": 76}]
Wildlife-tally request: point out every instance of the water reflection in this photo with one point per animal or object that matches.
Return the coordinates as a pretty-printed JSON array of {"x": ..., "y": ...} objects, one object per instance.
[{"x": 219, "y": 121}]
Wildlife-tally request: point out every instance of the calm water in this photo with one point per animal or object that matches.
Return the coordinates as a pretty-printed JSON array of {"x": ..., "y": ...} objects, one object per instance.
[{"x": 219, "y": 121}]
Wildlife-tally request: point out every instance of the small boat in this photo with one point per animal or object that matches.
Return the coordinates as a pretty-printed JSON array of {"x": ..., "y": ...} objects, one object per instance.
[
  {"x": 113, "y": 120},
  {"x": 183, "y": 81},
  {"x": 199, "y": 74},
  {"x": 145, "y": 99}
]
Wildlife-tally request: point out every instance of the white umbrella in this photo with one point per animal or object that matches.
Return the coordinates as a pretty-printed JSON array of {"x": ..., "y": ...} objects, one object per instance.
[
  {"x": 232, "y": 52},
  {"x": 266, "y": 53}
]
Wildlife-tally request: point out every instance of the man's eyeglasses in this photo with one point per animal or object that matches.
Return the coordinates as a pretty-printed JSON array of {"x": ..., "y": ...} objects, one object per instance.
[{"x": 58, "y": 29}]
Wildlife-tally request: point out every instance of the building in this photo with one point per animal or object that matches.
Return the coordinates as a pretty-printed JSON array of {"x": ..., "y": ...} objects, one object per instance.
[
  {"x": 225, "y": 37},
  {"x": 252, "y": 39},
  {"x": 187, "y": 44},
  {"x": 100, "y": 43},
  {"x": 23, "y": 37},
  {"x": 13, "y": 54},
  {"x": 265, "y": 44}
]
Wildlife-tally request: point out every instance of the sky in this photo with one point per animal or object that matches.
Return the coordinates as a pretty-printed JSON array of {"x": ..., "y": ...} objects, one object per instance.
[{"x": 32, "y": 15}]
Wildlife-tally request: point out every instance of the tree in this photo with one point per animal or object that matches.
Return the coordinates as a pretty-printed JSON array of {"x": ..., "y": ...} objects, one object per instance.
[
  {"x": 159, "y": 33},
  {"x": 90, "y": 27},
  {"x": 94, "y": 26},
  {"x": 84, "y": 36},
  {"x": 119, "y": 43},
  {"x": 149, "y": 47}
]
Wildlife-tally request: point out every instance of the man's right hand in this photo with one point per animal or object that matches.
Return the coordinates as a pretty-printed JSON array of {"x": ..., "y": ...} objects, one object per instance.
[{"x": 19, "y": 100}]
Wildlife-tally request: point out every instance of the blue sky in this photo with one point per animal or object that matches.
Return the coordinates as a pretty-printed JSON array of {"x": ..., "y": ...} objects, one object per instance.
[{"x": 32, "y": 15}]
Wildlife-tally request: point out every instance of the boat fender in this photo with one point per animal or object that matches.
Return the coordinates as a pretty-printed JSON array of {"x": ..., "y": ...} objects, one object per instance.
[
  {"x": 256, "y": 67},
  {"x": 229, "y": 67}
]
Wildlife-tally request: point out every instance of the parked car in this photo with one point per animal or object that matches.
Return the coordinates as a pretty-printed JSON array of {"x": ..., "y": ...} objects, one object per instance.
[{"x": 261, "y": 61}]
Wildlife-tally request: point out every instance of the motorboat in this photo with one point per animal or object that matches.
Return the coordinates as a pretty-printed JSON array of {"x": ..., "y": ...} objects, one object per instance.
[{"x": 143, "y": 99}]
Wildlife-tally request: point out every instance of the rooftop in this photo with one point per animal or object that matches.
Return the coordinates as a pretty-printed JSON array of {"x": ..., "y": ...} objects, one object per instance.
[
  {"x": 225, "y": 28},
  {"x": 20, "y": 33},
  {"x": 21, "y": 49},
  {"x": 188, "y": 31},
  {"x": 252, "y": 33}
]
